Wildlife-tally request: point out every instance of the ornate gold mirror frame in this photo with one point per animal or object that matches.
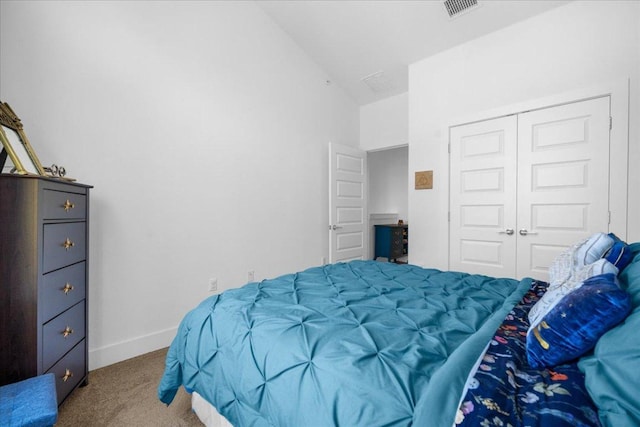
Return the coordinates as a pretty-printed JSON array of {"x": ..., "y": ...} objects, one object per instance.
[{"x": 16, "y": 145}]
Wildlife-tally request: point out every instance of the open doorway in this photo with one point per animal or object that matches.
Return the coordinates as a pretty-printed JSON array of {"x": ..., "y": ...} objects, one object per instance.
[{"x": 388, "y": 191}]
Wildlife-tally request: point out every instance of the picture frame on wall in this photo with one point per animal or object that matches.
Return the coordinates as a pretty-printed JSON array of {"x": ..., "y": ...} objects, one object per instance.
[{"x": 16, "y": 146}]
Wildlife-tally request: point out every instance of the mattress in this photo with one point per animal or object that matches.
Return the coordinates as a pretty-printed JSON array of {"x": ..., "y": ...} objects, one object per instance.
[{"x": 207, "y": 413}]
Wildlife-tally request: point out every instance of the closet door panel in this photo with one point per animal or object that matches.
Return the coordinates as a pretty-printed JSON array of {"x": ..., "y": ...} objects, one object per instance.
[
  {"x": 563, "y": 180},
  {"x": 482, "y": 205}
]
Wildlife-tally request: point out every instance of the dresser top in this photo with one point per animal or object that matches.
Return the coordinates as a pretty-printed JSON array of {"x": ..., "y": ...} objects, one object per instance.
[{"x": 8, "y": 176}]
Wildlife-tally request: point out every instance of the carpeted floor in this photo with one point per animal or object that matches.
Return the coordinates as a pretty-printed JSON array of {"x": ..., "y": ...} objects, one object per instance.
[{"x": 125, "y": 394}]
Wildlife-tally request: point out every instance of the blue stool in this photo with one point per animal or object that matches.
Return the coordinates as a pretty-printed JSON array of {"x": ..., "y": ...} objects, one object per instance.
[{"x": 31, "y": 402}]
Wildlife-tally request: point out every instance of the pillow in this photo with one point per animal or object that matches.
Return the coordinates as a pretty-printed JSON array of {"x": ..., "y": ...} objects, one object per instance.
[
  {"x": 619, "y": 254},
  {"x": 593, "y": 249},
  {"x": 611, "y": 372},
  {"x": 630, "y": 277},
  {"x": 577, "y": 256},
  {"x": 555, "y": 294},
  {"x": 574, "y": 325}
]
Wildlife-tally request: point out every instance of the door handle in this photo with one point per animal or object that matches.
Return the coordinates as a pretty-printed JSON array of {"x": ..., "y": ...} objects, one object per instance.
[
  {"x": 525, "y": 232},
  {"x": 507, "y": 231},
  {"x": 334, "y": 227}
]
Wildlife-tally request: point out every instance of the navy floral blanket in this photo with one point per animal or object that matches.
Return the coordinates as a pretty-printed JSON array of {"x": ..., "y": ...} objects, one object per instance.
[{"x": 505, "y": 391}]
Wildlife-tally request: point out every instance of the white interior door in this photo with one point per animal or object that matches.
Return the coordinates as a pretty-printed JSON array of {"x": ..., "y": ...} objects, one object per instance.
[
  {"x": 347, "y": 203},
  {"x": 483, "y": 203},
  {"x": 527, "y": 186},
  {"x": 563, "y": 180}
]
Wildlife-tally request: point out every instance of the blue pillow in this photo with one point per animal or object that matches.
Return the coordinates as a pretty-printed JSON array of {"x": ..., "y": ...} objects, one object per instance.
[
  {"x": 574, "y": 325},
  {"x": 619, "y": 254}
]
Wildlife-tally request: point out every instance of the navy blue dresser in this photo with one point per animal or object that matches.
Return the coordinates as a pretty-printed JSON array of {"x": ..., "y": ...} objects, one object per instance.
[{"x": 44, "y": 237}]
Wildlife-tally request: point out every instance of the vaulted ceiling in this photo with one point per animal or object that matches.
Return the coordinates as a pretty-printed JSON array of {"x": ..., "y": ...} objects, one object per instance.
[{"x": 367, "y": 46}]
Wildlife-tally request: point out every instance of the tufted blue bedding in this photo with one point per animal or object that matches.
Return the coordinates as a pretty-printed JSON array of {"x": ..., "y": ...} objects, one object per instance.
[{"x": 350, "y": 344}]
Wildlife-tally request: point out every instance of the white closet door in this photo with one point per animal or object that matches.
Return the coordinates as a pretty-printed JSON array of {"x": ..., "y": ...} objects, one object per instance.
[
  {"x": 483, "y": 203},
  {"x": 563, "y": 180}
]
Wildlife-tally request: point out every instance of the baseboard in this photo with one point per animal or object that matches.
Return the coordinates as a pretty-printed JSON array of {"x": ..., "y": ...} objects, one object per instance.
[{"x": 110, "y": 354}]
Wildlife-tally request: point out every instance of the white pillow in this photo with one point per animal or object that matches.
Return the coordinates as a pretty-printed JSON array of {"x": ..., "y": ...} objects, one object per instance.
[
  {"x": 562, "y": 266},
  {"x": 555, "y": 294},
  {"x": 592, "y": 250},
  {"x": 578, "y": 255}
]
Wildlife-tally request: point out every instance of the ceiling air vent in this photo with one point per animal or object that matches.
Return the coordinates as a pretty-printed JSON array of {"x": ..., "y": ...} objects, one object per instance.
[
  {"x": 378, "y": 82},
  {"x": 456, "y": 8}
]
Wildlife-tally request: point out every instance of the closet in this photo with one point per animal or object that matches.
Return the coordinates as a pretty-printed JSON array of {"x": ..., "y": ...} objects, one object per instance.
[{"x": 523, "y": 187}]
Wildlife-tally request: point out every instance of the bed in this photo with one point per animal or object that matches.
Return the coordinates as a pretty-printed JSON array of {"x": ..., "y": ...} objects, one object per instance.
[{"x": 367, "y": 343}]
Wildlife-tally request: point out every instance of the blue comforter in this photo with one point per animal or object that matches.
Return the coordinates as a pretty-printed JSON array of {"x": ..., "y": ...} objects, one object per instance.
[{"x": 350, "y": 344}]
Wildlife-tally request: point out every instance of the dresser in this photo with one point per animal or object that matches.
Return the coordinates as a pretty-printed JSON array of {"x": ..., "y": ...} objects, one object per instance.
[
  {"x": 391, "y": 241},
  {"x": 44, "y": 236}
]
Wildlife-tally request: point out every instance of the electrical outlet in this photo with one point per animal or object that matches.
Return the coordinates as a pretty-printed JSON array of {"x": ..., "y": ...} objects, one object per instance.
[
  {"x": 251, "y": 275},
  {"x": 213, "y": 284}
]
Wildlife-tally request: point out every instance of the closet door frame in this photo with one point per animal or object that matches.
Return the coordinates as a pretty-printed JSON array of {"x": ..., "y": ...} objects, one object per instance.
[{"x": 618, "y": 91}]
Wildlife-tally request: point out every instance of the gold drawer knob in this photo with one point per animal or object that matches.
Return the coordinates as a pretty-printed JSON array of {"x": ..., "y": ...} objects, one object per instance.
[
  {"x": 68, "y": 206},
  {"x": 67, "y": 374},
  {"x": 68, "y": 244},
  {"x": 67, "y": 331},
  {"x": 67, "y": 288}
]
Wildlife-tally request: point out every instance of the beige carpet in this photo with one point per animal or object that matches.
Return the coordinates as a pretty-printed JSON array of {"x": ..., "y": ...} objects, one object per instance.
[{"x": 125, "y": 394}]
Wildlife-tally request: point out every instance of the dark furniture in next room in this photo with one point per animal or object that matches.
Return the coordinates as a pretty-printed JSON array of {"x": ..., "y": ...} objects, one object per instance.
[{"x": 392, "y": 241}]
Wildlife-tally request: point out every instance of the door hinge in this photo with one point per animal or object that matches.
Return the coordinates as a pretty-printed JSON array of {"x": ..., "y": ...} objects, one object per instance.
[
  {"x": 609, "y": 219},
  {"x": 449, "y": 148},
  {"x": 448, "y": 216},
  {"x": 610, "y": 122}
]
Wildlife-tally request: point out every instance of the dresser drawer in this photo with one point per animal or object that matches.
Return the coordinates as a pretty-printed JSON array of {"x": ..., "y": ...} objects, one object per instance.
[
  {"x": 54, "y": 342},
  {"x": 61, "y": 289},
  {"x": 64, "y": 244},
  {"x": 70, "y": 370},
  {"x": 64, "y": 205}
]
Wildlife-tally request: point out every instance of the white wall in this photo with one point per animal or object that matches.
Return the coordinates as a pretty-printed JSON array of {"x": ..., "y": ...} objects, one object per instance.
[
  {"x": 580, "y": 45},
  {"x": 385, "y": 123},
  {"x": 204, "y": 130}
]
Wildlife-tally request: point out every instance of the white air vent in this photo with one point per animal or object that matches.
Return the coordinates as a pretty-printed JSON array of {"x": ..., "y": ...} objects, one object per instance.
[
  {"x": 456, "y": 8},
  {"x": 378, "y": 82}
]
